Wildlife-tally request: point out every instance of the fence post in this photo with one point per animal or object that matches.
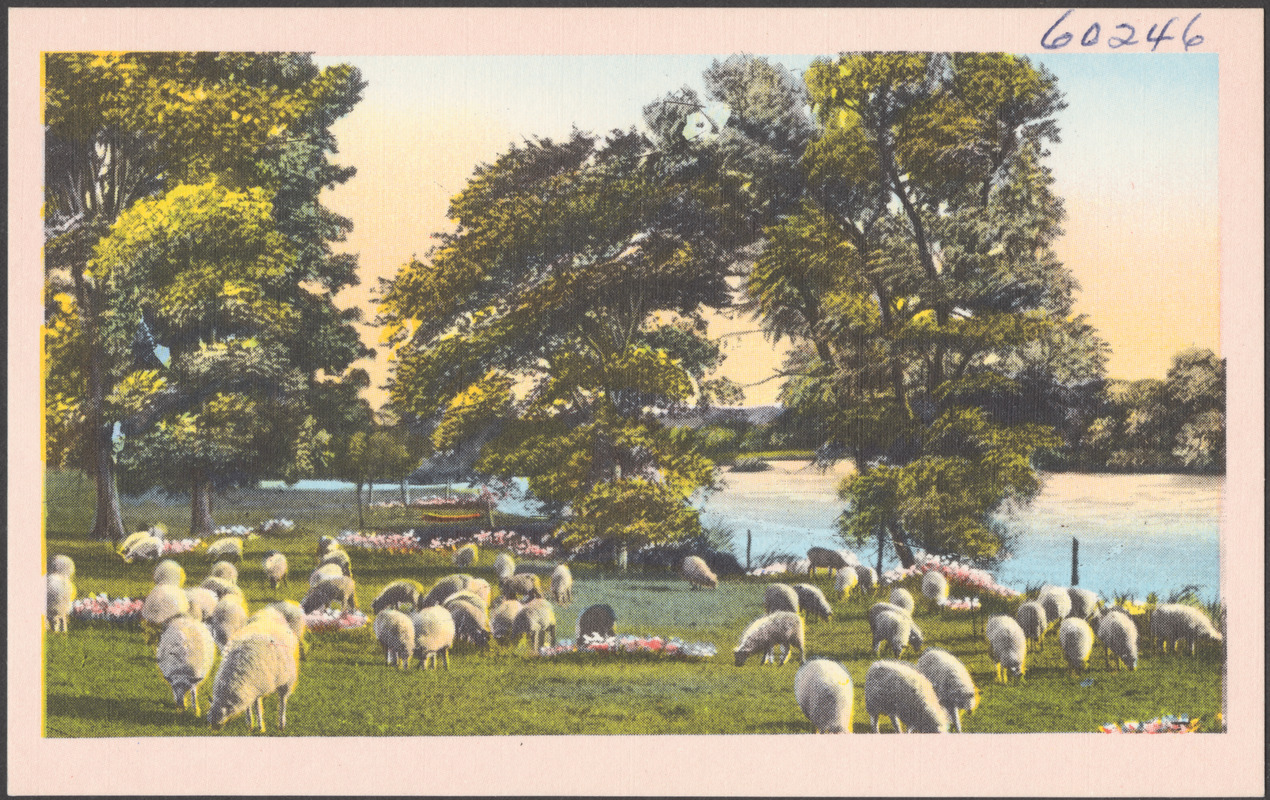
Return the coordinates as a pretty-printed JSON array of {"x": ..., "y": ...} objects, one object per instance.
[
  {"x": 749, "y": 538},
  {"x": 1075, "y": 561}
]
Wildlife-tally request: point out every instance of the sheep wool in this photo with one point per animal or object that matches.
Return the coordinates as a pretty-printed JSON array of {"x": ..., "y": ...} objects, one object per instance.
[
  {"x": 293, "y": 614},
  {"x": 225, "y": 571},
  {"x": 868, "y": 578},
  {"x": 220, "y": 586},
  {"x": 830, "y": 560},
  {"x": 562, "y": 585},
  {"x": 471, "y": 623},
  {"x": 780, "y": 597},
  {"x": 481, "y": 588},
  {"x": 338, "y": 558},
  {"x": 951, "y": 680},
  {"x": 228, "y": 617},
  {"x": 897, "y": 690},
  {"x": 230, "y": 549},
  {"x": 396, "y": 634},
  {"x": 325, "y": 545},
  {"x": 522, "y": 584},
  {"x": 59, "y": 594},
  {"x": 597, "y": 619},
  {"x": 1119, "y": 636},
  {"x": 1084, "y": 602},
  {"x": 849, "y": 558},
  {"x": 503, "y": 618},
  {"x": 163, "y": 603},
  {"x": 537, "y": 620},
  {"x": 813, "y": 602},
  {"x": 824, "y": 692},
  {"x": 202, "y": 602},
  {"x": 169, "y": 572},
  {"x": 399, "y": 592},
  {"x": 434, "y": 635},
  {"x": 185, "y": 655},
  {"x": 325, "y": 571},
  {"x": 1077, "y": 640},
  {"x": 698, "y": 573},
  {"x": 143, "y": 546},
  {"x": 1031, "y": 618},
  {"x": 878, "y": 608},
  {"x": 466, "y": 595},
  {"x": 445, "y": 587},
  {"x": 904, "y": 599},
  {"x": 275, "y": 567},
  {"x": 846, "y": 581},
  {"x": 1057, "y": 602},
  {"x": 896, "y": 629},
  {"x": 466, "y": 555},
  {"x": 504, "y": 566},
  {"x": 765, "y": 634},
  {"x": 253, "y": 667},
  {"x": 800, "y": 566},
  {"x": 340, "y": 590},
  {"x": 935, "y": 587},
  {"x": 1173, "y": 622},
  {"x": 1007, "y": 645},
  {"x": 62, "y": 565}
]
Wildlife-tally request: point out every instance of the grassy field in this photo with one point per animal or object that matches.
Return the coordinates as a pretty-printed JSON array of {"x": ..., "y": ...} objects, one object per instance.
[{"x": 102, "y": 680}]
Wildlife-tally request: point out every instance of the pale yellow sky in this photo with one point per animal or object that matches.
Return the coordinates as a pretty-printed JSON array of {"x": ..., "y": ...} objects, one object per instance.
[{"x": 1137, "y": 168}]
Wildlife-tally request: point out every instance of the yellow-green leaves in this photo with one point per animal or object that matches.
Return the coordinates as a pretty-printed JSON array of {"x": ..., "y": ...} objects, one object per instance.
[{"x": 482, "y": 404}]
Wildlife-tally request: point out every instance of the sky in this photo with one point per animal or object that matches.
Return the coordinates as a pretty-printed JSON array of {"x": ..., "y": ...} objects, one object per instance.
[{"x": 1136, "y": 166}]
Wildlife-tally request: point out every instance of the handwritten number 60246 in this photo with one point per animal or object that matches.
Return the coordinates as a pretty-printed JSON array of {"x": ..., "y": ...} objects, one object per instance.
[{"x": 1093, "y": 35}]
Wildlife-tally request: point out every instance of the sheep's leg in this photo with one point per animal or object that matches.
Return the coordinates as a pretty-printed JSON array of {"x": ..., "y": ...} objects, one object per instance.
[
  {"x": 957, "y": 718},
  {"x": 1192, "y": 647},
  {"x": 445, "y": 657},
  {"x": 260, "y": 712},
  {"x": 789, "y": 651},
  {"x": 388, "y": 658},
  {"x": 877, "y": 727},
  {"x": 194, "y": 694},
  {"x": 282, "y": 709},
  {"x": 899, "y": 726},
  {"x": 251, "y": 716}
]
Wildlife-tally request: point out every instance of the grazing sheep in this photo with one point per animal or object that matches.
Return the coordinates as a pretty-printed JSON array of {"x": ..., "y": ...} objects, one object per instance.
[
  {"x": 935, "y": 587},
  {"x": 467, "y": 595},
  {"x": 562, "y": 585},
  {"x": 597, "y": 619},
  {"x": 332, "y": 590},
  {"x": 169, "y": 572},
  {"x": 142, "y": 545},
  {"x": 868, "y": 578},
  {"x": 219, "y": 586},
  {"x": 185, "y": 655},
  {"x": 225, "y": 571},
  {"x": 396, "y": 634},
  {"x": 952, "y": 682},
  {"x": 1084, "y": 602},
  {"x": 698, "y": 573},
  {"x": 481, "y": 588},
  {"x": 800, "y": 566},
  {"x": 1172, "y": 622},
  {"x": 849, "y": 558},
  {"x": 812, "y": 601},
  {"x": 275, "y": 567},
  {"x": 228, "y": 617},
  {"x": 340, "y": 559},
  {"x": 471, "y": 623},
  {"x": 254, "y": 666},
  {"x": 202, "y": 602},
  {"x": 1077, "y": 640},
  {"x": 904, "y": 599},
  {"x": 1031, "y": 618},
  {"x": 878, "y": 608},
  {"x": 62, "y": 565},
  {"x": 1007, "y": 645},
  {"x": 896, "y": 629},
  {"x": 846, "y": 581},
  {"x": 230, "y": 549},
  {"x": 434, "y": 634},
  {"x": 1119, "y": 635},
  {"x": 325, "y": 545},
  {"x": 503, "y": 618},
  {"x": 831, "y": 560},
  {"x": 466, "y": 555},
  {"x": 1057, "y": 602},
  {"x": 162, "y": 604},
  {"x": 780, "y": 597},
  {"x": 897, "y": 690},
  {"x": 504, "y": 567},
  {"x": 293, "y": 614},
  {"x": 824, "y": 693},
  {"x": 59, "y": 593},
  {"x": 765, "y": 634},
  {"x": 399, "y": 592},
  {"x": 445, "y": 587},
  {"x": 324, "y": 572},
  {"x": 522, "y": 584},
  {"x": 537, "y": 620}
]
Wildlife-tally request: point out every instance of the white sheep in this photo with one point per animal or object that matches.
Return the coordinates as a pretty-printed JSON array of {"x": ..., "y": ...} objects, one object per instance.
[
  {"x": 522, "y": 584},
  {"x": 220, "y": 586},
  {"x": 185, "y": 655},
  {"x": 896, "y": 629},
  {"x": 951, "y": 680},
  {"x": 169, "y": 572},
  {"x": 445, "y": 587},
  {"x": 59, "y": 594},
  {"x": 466, "y": 556},
  {"x": 800, "y": 566},
  {"x": 202, "y": 602},
  {"x": 562, "y": 585},
  {"x": 780, "y": 597},
  {"x": 471, "y": 623},
  {"x": 897, "y": 690},
  {"x": 1077, "y": 640},
  {"x": 1084, "y": 602},
  {"x": 325, "y": 545},
  {"x": 504, "y": 566},
  {"x": 466, "y": 595},
  {"x": 904, "y": 599},
  {"x": 698, "y": 573},
  {"x": 434, "y": 634},
  {"x": 339, "y": 558},
  {"x": 597, "y": 619},
  {"x": 765, "y": 634},
  {"x": 878, "y": 608},
  {"x": 396, "y": 634},
  {"x": 935, "y": 587},
  {"x": 62, "y": 565},
  {"x": 812, "y": 601},
  {"x": 162, "y": 604},
  {"x": 1119, "y": 636},
  {"x": 824, "y": 692},
  {"x": 295, "y": 619},
  {"x": 255, "y": 666},
  {"x": 503, "y": 618},
  {"x": 850, "y": 558},
  {"x": 868, "y": 578},
  {"x": 324, "y": 572},
  {"x": 481, "y": 588},
  {"x": 1173, "y": 622},
  {"x": 340, "y": 590},
  {"x": 275, "y": 567},
  {"x": 537, "y": 620},
  {"x": 230, "y": 549},
  {"x": 142, "y": 545},
  {"x": 225, "y": 571},
  {"x": 1008, "y": 646},
  {"x": 830, "y": 560},
  {"x": 228, "y": 617},
  {"x": 1031, "y": 618},
  {"x": 399, "y": 592},
  {"x": 1057, "y": 602},
  {"x": 846, "y": 581}
]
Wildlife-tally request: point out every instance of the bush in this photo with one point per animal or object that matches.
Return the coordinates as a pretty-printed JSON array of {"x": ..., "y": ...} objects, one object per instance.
[{"x": 750, "y": 464}]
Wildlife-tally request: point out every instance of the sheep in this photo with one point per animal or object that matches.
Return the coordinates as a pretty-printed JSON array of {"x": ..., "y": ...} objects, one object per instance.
[
  {"x": 466, "y": 555},
  {"x": 254, "y": 666},
  {"x": 444, "y": 588},
  {"x": 1057, "y": 602},
  {"x": 824, "y": 692},
  {"x": 698, "y": 573},
  {"x": 230, "y": 549},
  {"x": 1172, "y": 622},
  {"x": 831, "y": 560},
  {"x": 780, "y": 597},
  {"x": 275, "y": 567},
  {"x": 142, "y": 545},
  {"x": 225, "y": 571},
  {"x": 849, "y": 558},
  {"x": 1007, "y": 645},
  {"x": 162, "y": 604},
  {"x": 1084, "y": 602},
  {"x": 503, "y": 618},
  {"x": 219, "y": 586},
  {"x": 904, "y": 599},
  {"x": 537, "y": 620},
  {"x": 185, "y": 655},
  {"x": 465, "y": 595},
  {"x": 325, "y": 571},
  {"x": 471, "y": 623},
  {"x": 524, "y": 584},
  {"x": 1077, "y": 640},
  {"x": 481, "y": 588},
  {"x": 504, "y": 566},
  {"x": 434, "y": 634},
  {"x": 396, "y": 634},
  {"x": 846, "y": 581},
  {"x": 397, "y": 593},
  {"x": 62, "y": 565},
  {"x": 202, "y": 602},
  {"x": 59, "y": 594},
  {"x": 340, "y": 559},
  {"x": 952, "y": 682},
  {"x": 896, "y": 629},
  {"x": 597, "y": 619},
  {"x": 325, "y": 545},
  {"x": 812, "y": 601},
  {"x": 169, "y": 572},
  {"x": 562, "y": 585},
  {"x": 800, "y": 566},
  {"x": 229, "y": 615},
  {"x": 878, "y": 608},
  {"x": 897, "y": 690},
  {"x": 868, "y": 578},
  {"x": 1119, "y": 635},
  {"x": 293, "y": 614},
  {"x": 779, "y": 628},
  {"x": 331, "y": 590},
  {"x": 935, "y": 587},
  {"x": 1031, "y": 618}
]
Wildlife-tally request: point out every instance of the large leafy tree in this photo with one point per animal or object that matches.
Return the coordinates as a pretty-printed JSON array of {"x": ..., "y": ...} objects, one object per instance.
[{"x": 933, "y": 322}]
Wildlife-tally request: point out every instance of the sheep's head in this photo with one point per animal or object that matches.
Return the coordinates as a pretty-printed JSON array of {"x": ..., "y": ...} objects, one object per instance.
[
  {"x": 740, "y": 656},
  {"x": 915, "y": 640}
]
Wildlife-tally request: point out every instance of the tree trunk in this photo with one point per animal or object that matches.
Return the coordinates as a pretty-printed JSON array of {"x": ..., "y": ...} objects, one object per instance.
[
  {"x": 360, "y": 523},
  {"x": 907, "y": 559},
  {"x": 370, "y": 493},
  {"x": 108, "y": 521},
  {"x": 201, "y": 524},
  {"x": 881, "y": 544},
  {"x": 405, "y": 501},
  {"x": 620, "y": 555}
]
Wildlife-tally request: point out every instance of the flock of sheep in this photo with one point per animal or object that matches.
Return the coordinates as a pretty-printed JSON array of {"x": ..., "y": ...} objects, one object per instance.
[{"x": 261, "y": 651}]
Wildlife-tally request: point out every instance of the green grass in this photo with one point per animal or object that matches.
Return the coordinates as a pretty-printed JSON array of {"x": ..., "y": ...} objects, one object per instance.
[
  {"x": 779, "y": 455},
  {"x": 103, "y": 681}
]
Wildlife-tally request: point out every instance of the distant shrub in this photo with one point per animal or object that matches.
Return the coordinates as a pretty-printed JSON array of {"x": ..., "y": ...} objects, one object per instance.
[{"x": 750, "y": 464}]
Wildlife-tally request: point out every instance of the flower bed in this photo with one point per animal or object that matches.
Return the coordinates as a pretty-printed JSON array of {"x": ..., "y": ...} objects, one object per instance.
[
  {"x": 628, "y": 644},
  {"x": 100, "y": 608},
  {"x": 1164, "y": 724},
  {"x": 172, "y": 547},
  {"x": 384, "y": 542},
  {"x": 408, "y": 543},
  {"x": 325, "y": 620},
  {"x": 453, "y": 516},
  {"x": 277, "y": 526},
  {"x": 235, "y": 530},
  {"x": 963, "y": 576},
  {"x": 517, "y": 543}
]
